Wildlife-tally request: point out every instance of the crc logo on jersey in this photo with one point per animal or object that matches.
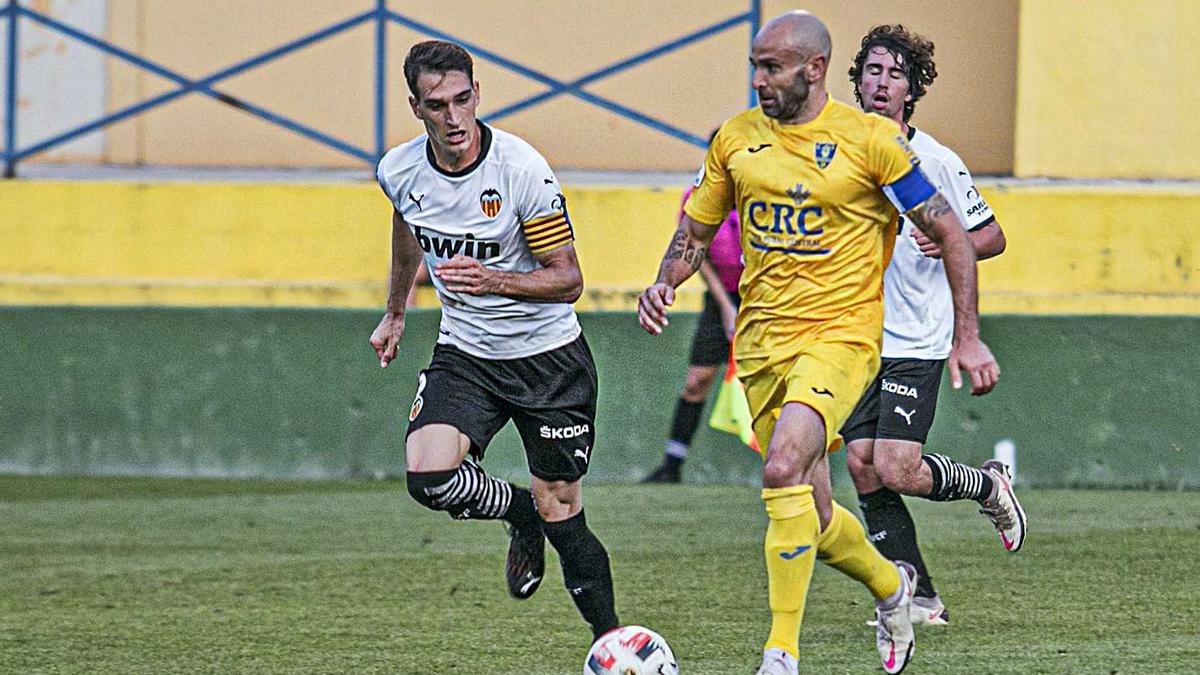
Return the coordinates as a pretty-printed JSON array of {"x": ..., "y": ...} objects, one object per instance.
[
  {"x": 491, "y": 201},
  {"x": 563, "y": 432},
  {"x": 699, "y": 177},
  {"x": 900, "y": 389},
  {"x": 448, "y": 247},
  {"x": 773, "y": 218},
  {"x": 824, "y": 152}
]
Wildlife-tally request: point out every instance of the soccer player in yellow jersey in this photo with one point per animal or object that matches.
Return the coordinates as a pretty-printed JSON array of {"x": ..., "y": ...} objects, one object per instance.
[{"x": 818, "y": 186}]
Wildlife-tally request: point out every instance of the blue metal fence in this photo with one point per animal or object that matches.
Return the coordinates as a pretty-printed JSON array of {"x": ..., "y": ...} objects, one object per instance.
[{"x": 381, "y": 15}]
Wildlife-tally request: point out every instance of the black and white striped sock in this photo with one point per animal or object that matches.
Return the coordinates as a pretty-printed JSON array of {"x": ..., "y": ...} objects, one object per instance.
[
  {"x": 953, "y": 481},
  {"x": 469, "y": 493}
]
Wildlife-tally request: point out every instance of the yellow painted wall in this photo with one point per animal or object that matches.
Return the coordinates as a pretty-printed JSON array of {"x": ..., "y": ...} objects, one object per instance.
[
  {"x": 1108, "y": 88},
  {"x": 1072, "y": 250},
  {"x": 330, "y": 85}
]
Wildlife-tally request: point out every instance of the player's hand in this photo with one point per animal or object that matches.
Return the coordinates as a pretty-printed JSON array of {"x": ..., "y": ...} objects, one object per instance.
[
  {"x": 386, "y": 337},
  {"x": 973, "y": 356},
  {"x": 461, "y": 274},
  {"x": 729, "y": 321},
  {"x": 929, "y": 247},
  {"x": 652, "y": 307}
]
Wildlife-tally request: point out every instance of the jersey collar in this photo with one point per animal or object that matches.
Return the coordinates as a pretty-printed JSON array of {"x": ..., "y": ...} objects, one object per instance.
[
  {"x": 800, "y": 127},
  {"x": 485, "y": 144}
]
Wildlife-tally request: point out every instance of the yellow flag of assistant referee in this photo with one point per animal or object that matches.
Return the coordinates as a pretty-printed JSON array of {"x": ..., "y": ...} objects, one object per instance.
[{"x": 731, "y": 412}]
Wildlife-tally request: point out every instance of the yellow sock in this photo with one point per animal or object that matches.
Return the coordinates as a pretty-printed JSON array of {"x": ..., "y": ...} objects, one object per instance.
[
  {"x": 844, "y": 547},
  {"x": 792, "y": 535}
]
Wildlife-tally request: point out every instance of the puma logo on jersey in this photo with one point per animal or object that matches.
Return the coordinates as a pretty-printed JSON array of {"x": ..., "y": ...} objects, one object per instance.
[
  {"x": 416, "y": 200},
  {"x": 822, "y": 392},
  {"x": 448, "y": 247},
  {"x": 582, "y": 453},
  {"x": 906, "y": 415},
  {"x": 760, "y": 148}
]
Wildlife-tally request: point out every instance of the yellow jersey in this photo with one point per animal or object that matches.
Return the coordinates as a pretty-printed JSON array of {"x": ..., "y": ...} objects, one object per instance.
[{"x": 817, "y": 226}]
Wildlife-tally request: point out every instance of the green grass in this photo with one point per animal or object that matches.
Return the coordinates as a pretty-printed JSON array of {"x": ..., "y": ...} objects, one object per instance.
[{"x": 174, "y": 576}]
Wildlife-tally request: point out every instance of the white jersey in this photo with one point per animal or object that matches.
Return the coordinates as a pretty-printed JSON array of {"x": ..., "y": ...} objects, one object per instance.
[
  {"x": 918, "y": 311},
  {"x": 502, "y": 210}
]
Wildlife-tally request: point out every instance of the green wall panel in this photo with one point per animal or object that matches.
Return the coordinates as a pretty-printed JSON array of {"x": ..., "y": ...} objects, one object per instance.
[{"x": 1088, "y": 401}]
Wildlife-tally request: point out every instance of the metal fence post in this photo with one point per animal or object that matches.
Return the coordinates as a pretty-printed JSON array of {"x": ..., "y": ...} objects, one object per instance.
[
  {"x": 755, "y": 22},
  {"x": 10, "y": 95},
  {"x": 381, "y": 21}
]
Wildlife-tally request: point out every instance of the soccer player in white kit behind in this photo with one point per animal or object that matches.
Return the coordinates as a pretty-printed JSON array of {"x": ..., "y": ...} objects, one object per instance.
[
  {"x": 488, "y": 216},
  {"x": 887, "y": 431}
]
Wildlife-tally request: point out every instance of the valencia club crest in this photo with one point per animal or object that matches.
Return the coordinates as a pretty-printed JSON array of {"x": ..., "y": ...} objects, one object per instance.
[{"x": 491, "y": 201}]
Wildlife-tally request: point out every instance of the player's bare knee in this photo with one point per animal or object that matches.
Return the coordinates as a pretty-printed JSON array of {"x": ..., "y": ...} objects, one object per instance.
[
  {"x": 699, "y": 383},
  {"x": 898, "y": 476},
  {"x": 557, "y": 500},
  {"x": 784, "y": 469},
  {"x": 859, "y": 466}
]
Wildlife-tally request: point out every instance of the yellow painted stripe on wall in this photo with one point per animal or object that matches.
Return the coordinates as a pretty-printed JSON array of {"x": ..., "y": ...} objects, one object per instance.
[
  {"x": 1072, "y": 250},
  {"x": 1074, "y": 57}
]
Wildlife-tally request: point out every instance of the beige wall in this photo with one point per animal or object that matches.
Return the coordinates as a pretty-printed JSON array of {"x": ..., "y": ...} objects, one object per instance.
[
  {"x": 330, "y": 85},
  {"x": 1109, "y": 89},
  {"x": 1039, "y": 87},
  {"x": 969, "y": 107}
]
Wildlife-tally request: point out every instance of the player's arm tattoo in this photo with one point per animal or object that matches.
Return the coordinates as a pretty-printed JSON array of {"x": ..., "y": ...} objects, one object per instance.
[
  {"x": 685, "y": 247},
  {"x": 929, "y": 211}
]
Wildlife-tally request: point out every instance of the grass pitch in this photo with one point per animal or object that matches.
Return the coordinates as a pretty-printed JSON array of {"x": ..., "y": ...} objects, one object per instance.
[{"x": 187, "y": 576}]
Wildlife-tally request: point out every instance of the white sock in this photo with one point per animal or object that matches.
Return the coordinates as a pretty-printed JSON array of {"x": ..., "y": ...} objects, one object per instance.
[{"x": 677, "y": 450}]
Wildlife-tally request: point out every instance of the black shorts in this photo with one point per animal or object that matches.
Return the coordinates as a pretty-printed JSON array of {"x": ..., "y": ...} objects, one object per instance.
[
  {"x": 550, "y": 397},
  {"x": 710, "y": 344},
  {"x": 899, "y": 404}
]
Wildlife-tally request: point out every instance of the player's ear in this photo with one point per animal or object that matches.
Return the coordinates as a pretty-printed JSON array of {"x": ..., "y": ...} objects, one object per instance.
[
  {"x": 475, "y": 86},
  {"x": 416, "y": 108},
  {"x": 814, "y": 70}
]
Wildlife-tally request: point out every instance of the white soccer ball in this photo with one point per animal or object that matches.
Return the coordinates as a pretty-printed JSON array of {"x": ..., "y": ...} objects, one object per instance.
[{"x": 631, "y": 650}]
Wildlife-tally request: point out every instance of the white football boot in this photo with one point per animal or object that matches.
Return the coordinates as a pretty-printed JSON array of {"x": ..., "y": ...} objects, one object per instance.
[
  {"x": 894, "y": 632},
  {"x": 778, "y": 662},
  {"x": 928, "y": 612},
  {"x": 1002, "y": 507}
]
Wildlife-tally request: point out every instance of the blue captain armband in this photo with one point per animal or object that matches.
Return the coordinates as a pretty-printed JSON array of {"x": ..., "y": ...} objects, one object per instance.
[{"x": 910, "y": 191}]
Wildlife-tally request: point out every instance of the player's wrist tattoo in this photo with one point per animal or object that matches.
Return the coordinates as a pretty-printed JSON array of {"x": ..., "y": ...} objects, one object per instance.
[{"x": 688, "y": 250}]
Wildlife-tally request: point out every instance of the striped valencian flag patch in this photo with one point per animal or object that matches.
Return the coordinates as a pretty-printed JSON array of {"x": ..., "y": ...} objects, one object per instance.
[{"x": 545, "y": 234}]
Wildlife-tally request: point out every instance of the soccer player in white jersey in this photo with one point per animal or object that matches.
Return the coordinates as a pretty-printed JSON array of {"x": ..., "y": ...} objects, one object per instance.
[
  {"x": 887, "y": 431},
  {"x": 486, "y": 213}
]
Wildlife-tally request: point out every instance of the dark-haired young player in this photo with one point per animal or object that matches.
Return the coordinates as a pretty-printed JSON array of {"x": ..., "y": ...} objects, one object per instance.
[
  {"x": 887, "y": 431},
  {"x": 486, "y": 213}
]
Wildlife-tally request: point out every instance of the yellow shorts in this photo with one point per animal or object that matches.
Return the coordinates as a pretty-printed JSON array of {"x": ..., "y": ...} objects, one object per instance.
[{"x": 828, "y": 376}]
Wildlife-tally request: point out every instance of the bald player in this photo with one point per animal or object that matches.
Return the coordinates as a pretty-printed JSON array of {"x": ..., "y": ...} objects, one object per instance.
[{"x": 817, "y": 185}]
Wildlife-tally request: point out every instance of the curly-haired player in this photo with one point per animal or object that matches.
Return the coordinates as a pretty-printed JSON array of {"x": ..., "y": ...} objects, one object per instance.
[{"x": 887, "y": 431}]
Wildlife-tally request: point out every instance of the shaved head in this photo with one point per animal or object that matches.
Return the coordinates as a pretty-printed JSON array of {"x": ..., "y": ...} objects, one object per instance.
[
  {"x": 790, "y": 57},
  {"x": 798, "y": 30}
]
